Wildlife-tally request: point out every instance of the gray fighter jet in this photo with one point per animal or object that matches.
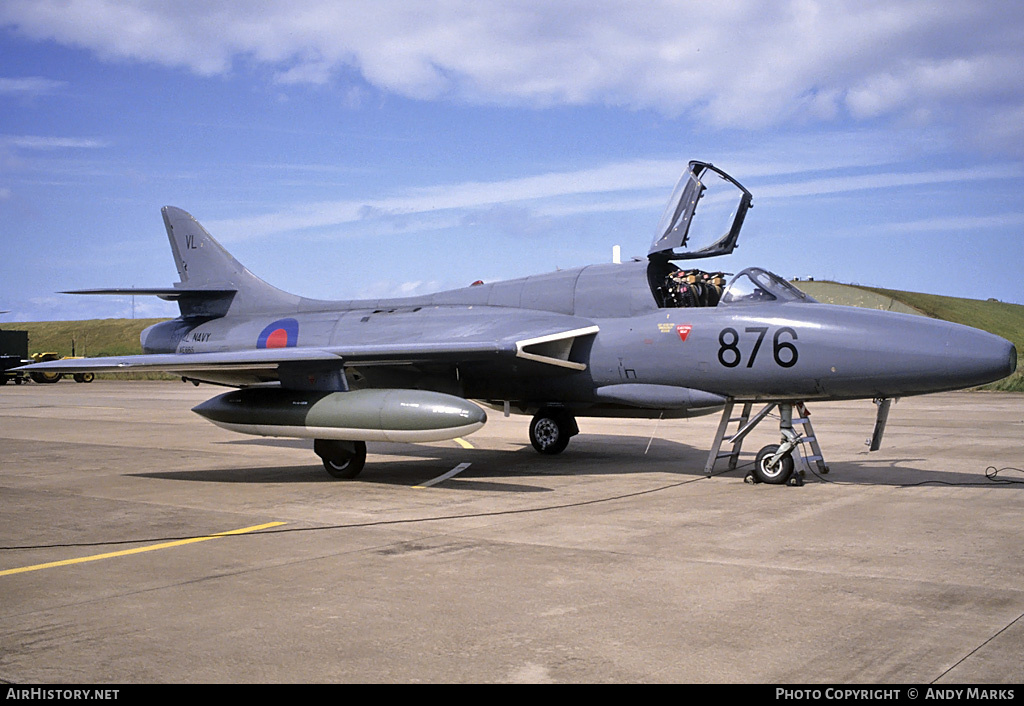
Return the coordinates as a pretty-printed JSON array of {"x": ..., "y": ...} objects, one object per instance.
[{"x": 654, "y": 337}]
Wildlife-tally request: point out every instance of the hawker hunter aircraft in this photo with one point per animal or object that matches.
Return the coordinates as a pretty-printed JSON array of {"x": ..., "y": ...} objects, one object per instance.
[{"x": 654, "y": 337}]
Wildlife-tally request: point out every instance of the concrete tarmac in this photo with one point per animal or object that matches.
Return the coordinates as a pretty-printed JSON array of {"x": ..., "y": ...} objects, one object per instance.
[{"x": 617, "y": 561}]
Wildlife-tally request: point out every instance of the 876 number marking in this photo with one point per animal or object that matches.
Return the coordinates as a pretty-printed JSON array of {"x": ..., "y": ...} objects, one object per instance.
[{"x": 784, "y": 351}]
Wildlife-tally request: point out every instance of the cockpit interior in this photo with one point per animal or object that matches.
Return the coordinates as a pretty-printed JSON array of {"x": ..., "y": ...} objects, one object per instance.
[{"x": 676, "y": 288}]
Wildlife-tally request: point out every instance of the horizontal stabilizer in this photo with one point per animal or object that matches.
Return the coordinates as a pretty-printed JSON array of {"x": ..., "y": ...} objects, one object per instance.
[
  {"x": 167, "y": 293},
  {"x": 212, "y": 281}
]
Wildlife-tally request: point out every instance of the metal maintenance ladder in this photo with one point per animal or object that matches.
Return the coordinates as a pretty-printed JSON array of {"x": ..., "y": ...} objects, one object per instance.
[
  {"x": 736, "y": 439},
  {"x": 746, "y": 424},
  {"x": 809, "y": 437}
]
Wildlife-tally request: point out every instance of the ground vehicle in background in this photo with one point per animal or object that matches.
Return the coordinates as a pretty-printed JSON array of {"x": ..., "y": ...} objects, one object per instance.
[
  {"x": 14, "y": 354},
  {"x": 46, "y": 376}
]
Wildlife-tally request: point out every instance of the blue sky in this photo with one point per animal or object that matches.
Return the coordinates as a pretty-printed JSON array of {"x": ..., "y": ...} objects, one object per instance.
[{"x": 366, "y": 149}]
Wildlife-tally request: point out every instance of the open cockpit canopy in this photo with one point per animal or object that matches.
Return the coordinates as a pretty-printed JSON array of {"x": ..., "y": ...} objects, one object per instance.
[
  {"x": 703, "y": 219},
  {"x": 685, "y": 234}
]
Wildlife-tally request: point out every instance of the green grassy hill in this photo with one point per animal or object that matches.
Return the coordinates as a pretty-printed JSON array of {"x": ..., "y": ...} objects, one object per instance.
[
  {"x": 94, "y": 337},
  {"x": 850, "y": 295}
]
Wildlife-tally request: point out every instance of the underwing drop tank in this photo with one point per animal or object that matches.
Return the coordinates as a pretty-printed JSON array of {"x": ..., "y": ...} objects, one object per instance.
[{"x": 365, "y": 415}]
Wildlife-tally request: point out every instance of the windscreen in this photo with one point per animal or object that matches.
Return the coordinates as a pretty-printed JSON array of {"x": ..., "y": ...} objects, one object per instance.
[{"x": 756, "y": 285}]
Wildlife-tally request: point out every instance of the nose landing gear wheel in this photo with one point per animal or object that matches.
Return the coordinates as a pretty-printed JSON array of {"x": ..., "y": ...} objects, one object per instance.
[
  {"x": 776, "y": 474},
  {"x": 342, "y": 459}
]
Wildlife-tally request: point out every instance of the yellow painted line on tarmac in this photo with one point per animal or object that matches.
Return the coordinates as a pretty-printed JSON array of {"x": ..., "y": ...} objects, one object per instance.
[
  {"x": 138, "y": 550},
  {"x": 463, "y": 443}
]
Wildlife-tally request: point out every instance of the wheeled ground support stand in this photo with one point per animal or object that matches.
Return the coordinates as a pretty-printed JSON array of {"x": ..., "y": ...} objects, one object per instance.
[{"x": 774, "y": 463}]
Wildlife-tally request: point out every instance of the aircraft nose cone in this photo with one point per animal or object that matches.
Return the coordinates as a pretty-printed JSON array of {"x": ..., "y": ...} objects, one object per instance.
[{"x": 977, "y": 357}]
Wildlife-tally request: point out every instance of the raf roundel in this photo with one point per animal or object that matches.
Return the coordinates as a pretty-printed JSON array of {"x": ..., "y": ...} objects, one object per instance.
[{"x": 283, "y": 333}]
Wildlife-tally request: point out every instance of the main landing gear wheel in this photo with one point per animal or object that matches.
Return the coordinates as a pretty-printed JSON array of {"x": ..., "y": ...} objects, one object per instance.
[
  {"x": 776, "y": 474},
  {"x": 551, "y": 430},
  {"x": 342, "y": 459},
  {"x": 84, "y": 377}
]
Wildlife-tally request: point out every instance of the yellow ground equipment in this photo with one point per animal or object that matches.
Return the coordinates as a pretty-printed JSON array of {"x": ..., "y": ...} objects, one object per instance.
[{"x": 54, "y": 377}]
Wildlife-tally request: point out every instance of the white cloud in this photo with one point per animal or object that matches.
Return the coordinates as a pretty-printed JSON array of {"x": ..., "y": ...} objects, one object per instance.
[
  {"x": 961, "y": 223},
  {"x": 37, "y": 142},
  {"x": 614, "y": 187},
  {"x": 744, "y": 63},
  {"x": 29, "y": 86},
  {"x": 886, "y": 180},
  {"x": 616, "y": 177}
]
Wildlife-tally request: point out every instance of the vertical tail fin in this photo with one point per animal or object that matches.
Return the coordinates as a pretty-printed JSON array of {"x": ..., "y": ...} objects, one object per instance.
[{"x": 204, "y": 264}]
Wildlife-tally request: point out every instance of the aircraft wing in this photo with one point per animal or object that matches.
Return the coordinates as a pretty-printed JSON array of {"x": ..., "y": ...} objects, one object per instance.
[
  {"x": 488, "y": 334},
  {"x": 252, "y": 360},
  {"x": 475, "y": 334}
]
